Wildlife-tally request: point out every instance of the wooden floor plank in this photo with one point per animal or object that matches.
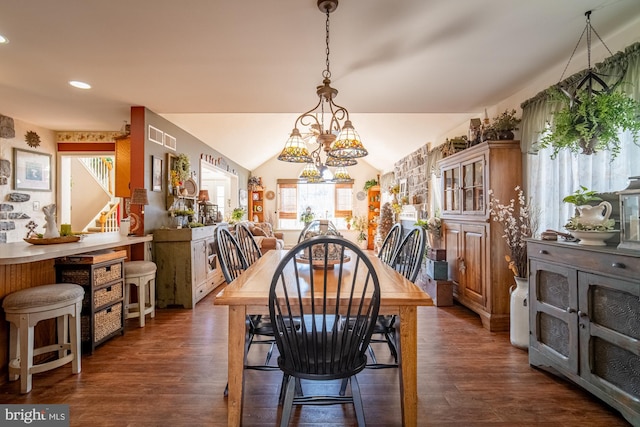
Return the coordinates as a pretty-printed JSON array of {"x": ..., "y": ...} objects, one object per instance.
[{"x": 173, "y": 372}]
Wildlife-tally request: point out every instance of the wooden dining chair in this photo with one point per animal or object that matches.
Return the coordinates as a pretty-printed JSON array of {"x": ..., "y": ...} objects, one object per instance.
[
  {"x": 248, "y": 244},
  {"x": 406, "y": 259},
  {"x": 338, "y": 307},
  {"x": 391, "y": 243},
  {"x": 233, "y": 262},
  {"x": 230, "y": 256}
]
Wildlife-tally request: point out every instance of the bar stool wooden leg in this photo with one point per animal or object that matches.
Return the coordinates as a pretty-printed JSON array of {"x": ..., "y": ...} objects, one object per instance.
[
  {"x": 14, "y": 348},
  {"x": 75, "y": 340},
  {"x": 152, "y": 296},
  {"x": 142, "y": 290},
  {"x": 26, "y": 353}
]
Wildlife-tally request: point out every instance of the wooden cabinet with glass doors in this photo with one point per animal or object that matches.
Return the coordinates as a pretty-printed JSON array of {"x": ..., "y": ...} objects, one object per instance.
[{"x": 474, "y": 244}]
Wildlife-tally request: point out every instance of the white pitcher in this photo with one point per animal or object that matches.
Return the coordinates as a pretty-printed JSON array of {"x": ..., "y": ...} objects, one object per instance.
[{"x": 594, "y": 215}]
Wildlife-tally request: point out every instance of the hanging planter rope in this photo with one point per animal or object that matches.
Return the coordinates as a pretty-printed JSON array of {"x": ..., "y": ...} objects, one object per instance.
[{"x": 593, "y": 111}]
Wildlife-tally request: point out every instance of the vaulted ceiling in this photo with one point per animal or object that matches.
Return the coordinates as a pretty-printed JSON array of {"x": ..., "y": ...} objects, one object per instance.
[{"x": 237, "y": 73}]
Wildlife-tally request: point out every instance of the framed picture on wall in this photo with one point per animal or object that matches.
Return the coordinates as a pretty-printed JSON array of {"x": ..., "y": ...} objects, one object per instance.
[
  {"x": 156, "y": 173},
  {"x": 31, "y": 170}
]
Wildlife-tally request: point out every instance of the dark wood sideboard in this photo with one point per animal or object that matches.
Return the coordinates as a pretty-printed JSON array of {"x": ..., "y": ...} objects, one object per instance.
[{"x": 585, "y": 319}]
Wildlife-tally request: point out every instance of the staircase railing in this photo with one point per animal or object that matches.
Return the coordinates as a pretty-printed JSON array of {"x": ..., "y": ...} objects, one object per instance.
[
  {"x": 101, "y": 168},
  {"x": 109, "y": 219}
]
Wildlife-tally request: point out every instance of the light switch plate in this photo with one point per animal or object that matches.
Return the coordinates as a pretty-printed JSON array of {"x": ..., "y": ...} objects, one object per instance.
[{"x": 36, "y": 206}]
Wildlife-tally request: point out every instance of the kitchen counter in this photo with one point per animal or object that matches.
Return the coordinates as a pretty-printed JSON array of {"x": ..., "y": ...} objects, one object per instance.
[
  {"x": 23, "y": 266},
  {"x": 23, "y": 252}
]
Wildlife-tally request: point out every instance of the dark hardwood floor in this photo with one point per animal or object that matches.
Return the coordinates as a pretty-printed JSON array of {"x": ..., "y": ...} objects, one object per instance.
[{"x": 173, "y": 373}]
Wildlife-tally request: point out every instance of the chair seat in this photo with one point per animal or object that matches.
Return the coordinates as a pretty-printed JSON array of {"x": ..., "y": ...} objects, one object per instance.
[
  {"x": 139, "y": 268},
  {"x": 45, "y": 297},
  {"x": 142, "y": 275},
  {"x": 23, "y": 310}
]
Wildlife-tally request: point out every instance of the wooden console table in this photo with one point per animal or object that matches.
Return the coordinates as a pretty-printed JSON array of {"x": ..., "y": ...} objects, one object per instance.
[{"x": 24, "y": 266}]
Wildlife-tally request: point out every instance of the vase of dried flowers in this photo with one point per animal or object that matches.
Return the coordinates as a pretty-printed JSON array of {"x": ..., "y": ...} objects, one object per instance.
[{"x": 518, "y": 223}]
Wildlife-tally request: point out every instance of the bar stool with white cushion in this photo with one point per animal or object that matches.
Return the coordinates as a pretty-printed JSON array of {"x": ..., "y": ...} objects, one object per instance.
[
  {"x": 24, "y": 309},
  {"x": 142, "y": 275}
]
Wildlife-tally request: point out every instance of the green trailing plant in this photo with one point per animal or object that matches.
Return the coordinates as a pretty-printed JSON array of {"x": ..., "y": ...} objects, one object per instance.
[
  {"x": 182, "y": 212},
  {"x": 589, "y": 123},
  {"x": 195, "y": 224},
  {"x": 370, "y": 183},
  {"x": 575, "y": 224}
]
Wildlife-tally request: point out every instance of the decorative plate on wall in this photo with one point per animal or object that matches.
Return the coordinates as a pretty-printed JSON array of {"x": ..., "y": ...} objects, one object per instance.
[
  {"x": 270, "y": 195},
  {"x": 191, "y": 187},
  {"x": 361, "y": 195}
]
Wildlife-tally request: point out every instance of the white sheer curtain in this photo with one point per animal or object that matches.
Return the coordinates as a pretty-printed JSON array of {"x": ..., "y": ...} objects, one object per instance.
[{"x": 550, "y": 180}]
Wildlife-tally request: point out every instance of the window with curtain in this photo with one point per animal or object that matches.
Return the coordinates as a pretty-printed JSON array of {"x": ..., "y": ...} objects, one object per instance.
[
  {"x": 550, "y": 180},
  {"x": 332, "y": 201}
]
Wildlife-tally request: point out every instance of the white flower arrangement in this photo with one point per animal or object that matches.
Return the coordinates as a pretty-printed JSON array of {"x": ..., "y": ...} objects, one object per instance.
[{"x": 518, "y": 224}]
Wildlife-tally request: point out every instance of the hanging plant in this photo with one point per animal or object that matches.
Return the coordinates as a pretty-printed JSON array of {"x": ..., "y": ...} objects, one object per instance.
[{"x": 590, "y": 123}]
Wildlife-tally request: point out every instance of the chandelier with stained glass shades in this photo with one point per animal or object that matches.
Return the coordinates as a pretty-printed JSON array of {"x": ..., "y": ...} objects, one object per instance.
[{"x": 335, "y": 132}]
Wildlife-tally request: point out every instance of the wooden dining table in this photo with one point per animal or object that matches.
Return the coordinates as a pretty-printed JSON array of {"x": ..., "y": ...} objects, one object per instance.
[{"x": 249, "y": 294}]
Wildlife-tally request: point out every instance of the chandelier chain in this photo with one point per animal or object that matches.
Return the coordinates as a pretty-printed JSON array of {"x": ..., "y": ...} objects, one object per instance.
[{"x": 327, "y": 73}]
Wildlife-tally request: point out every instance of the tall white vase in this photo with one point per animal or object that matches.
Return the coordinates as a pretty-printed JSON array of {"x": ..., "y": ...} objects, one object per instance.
[{"x": 519, "y": 332}]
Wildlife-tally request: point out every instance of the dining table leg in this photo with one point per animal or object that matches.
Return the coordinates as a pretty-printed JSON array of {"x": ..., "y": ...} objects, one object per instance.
[
  {"x": 408, "y": 365},
  {"x": 237, "y": 327}
]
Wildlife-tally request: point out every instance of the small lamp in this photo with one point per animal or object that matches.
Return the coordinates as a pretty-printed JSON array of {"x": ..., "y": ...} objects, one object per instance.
[
  {"x": 203, "y": 196},
  {"x": 630, "y": 215},
  {"x": 139, "y": 197}
]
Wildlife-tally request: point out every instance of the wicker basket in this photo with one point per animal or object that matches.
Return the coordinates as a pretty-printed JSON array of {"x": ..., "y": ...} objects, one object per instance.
[
  {"x": 107, "y": 274},
  {"x": 107, "y": 321},
  {"x": 106, "y": 295},
  {"x": 80, "y": 277}
]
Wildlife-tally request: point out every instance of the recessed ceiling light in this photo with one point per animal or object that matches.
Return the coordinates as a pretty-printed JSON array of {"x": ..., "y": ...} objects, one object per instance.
[
  {"x": 3, "y": 39},
  {"x": 80, "y": 85}
]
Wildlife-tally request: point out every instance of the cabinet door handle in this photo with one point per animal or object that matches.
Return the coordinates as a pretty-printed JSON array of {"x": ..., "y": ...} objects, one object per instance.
[
  {"x": 543, "y": 252},
  {"x": 583, "y": 314},
  {"x": 618, "y": 265},
  {"x": 571, "y": 310}
]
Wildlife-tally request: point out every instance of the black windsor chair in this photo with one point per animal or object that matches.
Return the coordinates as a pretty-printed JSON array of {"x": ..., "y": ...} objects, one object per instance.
[
  {"x": 406, "y": 259},
  {"x": 233, "y": 262},
  {"x": 333, "y": 337}
]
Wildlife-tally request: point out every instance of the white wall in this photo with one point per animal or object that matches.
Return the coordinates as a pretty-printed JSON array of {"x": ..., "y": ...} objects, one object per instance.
[{"x": 47, "y": 146}]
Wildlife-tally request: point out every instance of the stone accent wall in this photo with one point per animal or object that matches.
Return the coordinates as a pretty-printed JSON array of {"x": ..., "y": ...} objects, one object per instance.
[{"x": 413, "y": 169}]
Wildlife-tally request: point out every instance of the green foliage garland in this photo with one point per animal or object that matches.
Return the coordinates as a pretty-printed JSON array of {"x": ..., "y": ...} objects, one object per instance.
[{"x": 182, "y": 166}]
